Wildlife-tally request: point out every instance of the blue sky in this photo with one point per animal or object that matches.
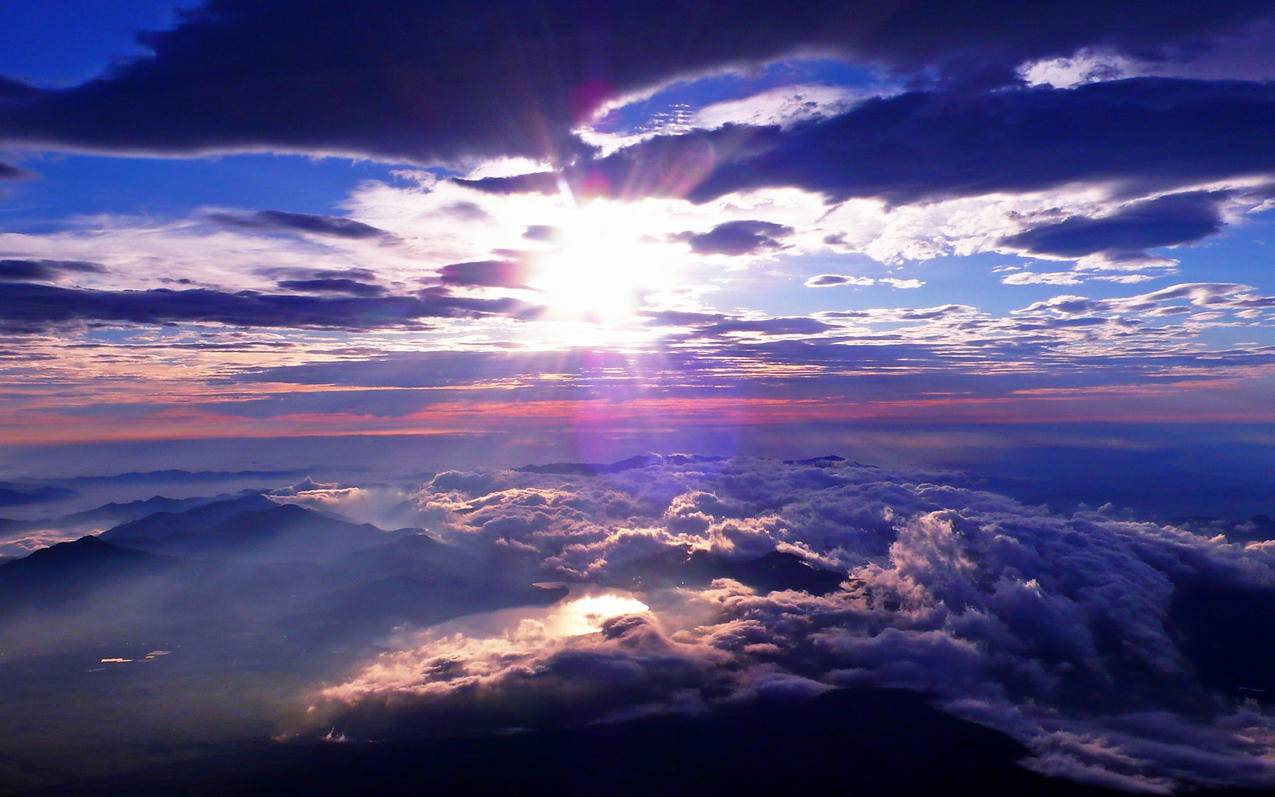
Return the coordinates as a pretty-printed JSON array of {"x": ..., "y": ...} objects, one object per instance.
[{"x": 63, "y": 42}]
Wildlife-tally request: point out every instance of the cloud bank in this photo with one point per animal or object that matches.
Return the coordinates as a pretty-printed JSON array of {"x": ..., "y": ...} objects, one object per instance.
[{"x": 1067, "y": 632}]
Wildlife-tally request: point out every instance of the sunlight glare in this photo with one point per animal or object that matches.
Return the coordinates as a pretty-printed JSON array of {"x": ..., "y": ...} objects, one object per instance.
[{"x": 595, "y": 270}]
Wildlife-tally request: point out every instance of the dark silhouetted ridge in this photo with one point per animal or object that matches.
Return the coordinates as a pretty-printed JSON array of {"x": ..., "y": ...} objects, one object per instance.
[
  {"x": 166, "y": 524},
  {"x": 281, "y": 532},
  {"x": 856, "y": 742},
  {"x": 72, "y": 569}
]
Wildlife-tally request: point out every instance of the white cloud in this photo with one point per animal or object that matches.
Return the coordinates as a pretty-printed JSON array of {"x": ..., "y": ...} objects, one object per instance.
[
  {"x": 783, "y": 106},
  {"x": 1085, "y": 66},
  {"x": 838, "y": 280},
  {"x": 902, "y": 284}
]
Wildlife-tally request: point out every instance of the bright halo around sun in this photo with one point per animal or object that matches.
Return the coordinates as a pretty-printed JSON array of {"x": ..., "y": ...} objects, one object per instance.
[{"x": 598, "y": 267}]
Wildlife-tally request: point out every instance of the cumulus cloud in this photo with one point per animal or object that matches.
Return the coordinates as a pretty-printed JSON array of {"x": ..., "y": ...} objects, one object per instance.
[
  {"x": 1061, "y": 630},
  {"x": 834, "y": 280}
]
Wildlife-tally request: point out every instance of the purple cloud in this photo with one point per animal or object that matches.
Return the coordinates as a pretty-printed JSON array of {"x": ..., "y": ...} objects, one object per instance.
[
  {"x": 28, "y": 308},
  {"x": 1130, "y": 231},
  {"x": 332, "y": 285},
  {"x": 283, "y": 221},
  {"x": 44, "y": 270},
  {"x": 485, "y": 273},
  {"x": 738, "y": 238}
]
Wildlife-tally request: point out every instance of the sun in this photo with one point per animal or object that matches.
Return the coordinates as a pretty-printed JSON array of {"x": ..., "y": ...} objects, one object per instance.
[{"x": 598, "y": 267}]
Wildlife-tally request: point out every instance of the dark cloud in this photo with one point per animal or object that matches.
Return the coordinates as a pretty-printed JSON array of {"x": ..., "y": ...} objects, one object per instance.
[
  {"x": 330, "y": 285},
  {"x": 485, "y": 273},
  {"x": 1130, "y": 231},
  {"x": 1144, "y": 133},
  {"x": 8, "y": 172},
  {"x": 408, "y": 82},
  {"x": 334, "y": 226},
  {"x": 44, "y": 270},
  {"x": 27, "y": 308},
  {"x": 738, "y": 238}
]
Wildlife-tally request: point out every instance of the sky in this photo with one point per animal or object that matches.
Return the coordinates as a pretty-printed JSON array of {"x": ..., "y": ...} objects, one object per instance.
[{"x": 586, "y": 230}]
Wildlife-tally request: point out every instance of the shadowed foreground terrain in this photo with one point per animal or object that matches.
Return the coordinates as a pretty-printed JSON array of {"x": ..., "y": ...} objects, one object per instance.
[{"x": 860, "y": 741}]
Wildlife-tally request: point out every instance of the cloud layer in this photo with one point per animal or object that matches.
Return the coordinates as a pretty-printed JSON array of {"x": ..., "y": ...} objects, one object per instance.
[{"x": 1064, "y": 631}]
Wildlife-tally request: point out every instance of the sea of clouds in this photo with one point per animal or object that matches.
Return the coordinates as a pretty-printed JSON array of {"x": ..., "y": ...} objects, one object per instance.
[{"x": 1058, "y": 630}]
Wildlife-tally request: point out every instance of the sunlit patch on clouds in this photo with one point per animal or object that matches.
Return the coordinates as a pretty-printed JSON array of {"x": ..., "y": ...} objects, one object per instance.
[
  {"x": 1085, "y": 66},
  {"x": 459, "y": 655},
  {"x": 781, "y": 106}
]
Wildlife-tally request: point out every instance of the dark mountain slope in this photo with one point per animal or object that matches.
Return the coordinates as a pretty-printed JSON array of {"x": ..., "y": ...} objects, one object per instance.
[
  {"x": 283, "y": 532},
  {"x": 854, "y": 742},
  {"x": 71, "y": 570},
  {"x": 166, "y": 524}
]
